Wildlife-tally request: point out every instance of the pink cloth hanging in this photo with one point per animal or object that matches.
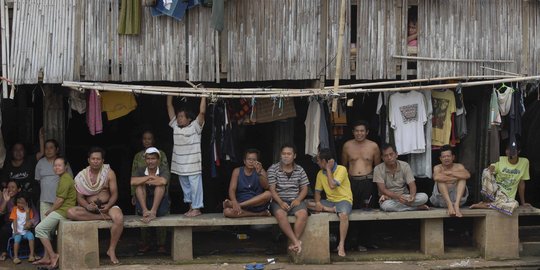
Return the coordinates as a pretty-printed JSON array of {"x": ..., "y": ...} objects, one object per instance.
[{"x": 93, "y": 113}]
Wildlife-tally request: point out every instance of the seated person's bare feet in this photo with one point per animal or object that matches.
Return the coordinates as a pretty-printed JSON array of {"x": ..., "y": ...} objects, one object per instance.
[
  {"x": 112, "y": 256},
  {"x": 188, "y": 213},
  {"x": 266, "y": 213},
  {"x": 458, "y": 211},
  {"x": 422, "y": 207},
  {"x": 194, "y": 213},
  {"x": 480, "y": 205},
  {"x": 450, "y": 210},
  {"x": 298, "y": 247},
  {"x": 227, "y": 204},
  {"x": 341, "y": 251}
]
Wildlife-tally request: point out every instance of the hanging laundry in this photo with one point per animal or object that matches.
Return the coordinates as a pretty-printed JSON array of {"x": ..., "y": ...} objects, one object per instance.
[
  {"x": 313, "y": 127},
  {"x": 407, "y": 116},
  {"x": 228, "y": 149},
  {"x": 444, "y": 105},
  {"x": 494, "y": 112},
  {"x": 516, "y": 111},
  {"x": 504, "y": 96},
  {"x": 77, "y": 101},
  {"x": 217, "y": 119},
  {"x": 173, "y": 8},
  {"x": 129, "y": 22},
  {"x": 324, "y": 141},
  {"x": 93, "y": 113},
  {"x": 461, "y": 112},
  {"x": 382, "y": 111},
  {"x": 117, "y": 104},
  {"x": 421, "y": 163}
]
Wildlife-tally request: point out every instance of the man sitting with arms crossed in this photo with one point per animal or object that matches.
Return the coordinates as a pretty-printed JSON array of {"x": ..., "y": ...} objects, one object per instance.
[
  {"x": 333, "y": 180},
  {"x": 152, "y": 198},
  {"x": 450, "y": 189},
  {"x": 97, "y": 193},
  {"x": 248, "y": 189},
  {"x": 392, "y": 178}
]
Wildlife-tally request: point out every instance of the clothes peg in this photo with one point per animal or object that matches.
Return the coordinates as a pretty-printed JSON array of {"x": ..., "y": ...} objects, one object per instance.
[{"x": 253, "y": 101}]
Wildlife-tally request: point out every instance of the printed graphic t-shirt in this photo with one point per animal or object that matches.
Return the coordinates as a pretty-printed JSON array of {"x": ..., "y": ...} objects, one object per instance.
[
  {"x": 407, "y": 117},
  {"x": 444, "y": 104},
  {"x": 508, "y": 175}
]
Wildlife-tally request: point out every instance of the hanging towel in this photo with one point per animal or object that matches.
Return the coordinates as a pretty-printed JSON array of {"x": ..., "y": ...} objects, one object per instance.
[
  {"x": 313, "y": 127},
  {"x": 93, "y": 113},
  {"x": 77, "y": 101},
  {"x": 129, "y": 22},
  {"x": 494, "y": 112},
  {"x": 421, "y": 163},
  {"x": 505, "y": 99},
  {"x": 117, "y": 104}
]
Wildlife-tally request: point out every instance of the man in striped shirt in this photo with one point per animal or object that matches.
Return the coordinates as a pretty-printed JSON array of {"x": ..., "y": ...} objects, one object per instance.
[
  {"x": 289, "y": 186},
  {"x": 186, "y": 156}
]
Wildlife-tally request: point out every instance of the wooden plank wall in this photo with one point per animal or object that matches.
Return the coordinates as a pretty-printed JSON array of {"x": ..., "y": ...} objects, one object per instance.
[
  {"x": 201, "y": 45},
  {"x": 158, "y": 53},
  {"x": 332, "y": 40},
  {"x": 378, "y": 38},
  {"x": 100, "y": 40},
  {"x": 469, "y": 29},
  {"x": 534, "y": 37},
  {"x": 272, "y": 39},
  {"x": 43, "y": 41}
]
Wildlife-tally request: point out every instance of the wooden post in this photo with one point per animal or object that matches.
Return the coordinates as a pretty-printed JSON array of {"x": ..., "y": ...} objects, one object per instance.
[{"x": 339, "y": 50}]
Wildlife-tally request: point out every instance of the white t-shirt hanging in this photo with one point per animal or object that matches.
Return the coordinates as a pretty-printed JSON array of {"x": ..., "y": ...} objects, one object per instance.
[{"x": 407, "y": 117}]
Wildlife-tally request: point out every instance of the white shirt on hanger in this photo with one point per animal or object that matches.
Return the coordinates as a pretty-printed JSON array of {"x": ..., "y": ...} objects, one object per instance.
[{"x": 407, "y": 117}]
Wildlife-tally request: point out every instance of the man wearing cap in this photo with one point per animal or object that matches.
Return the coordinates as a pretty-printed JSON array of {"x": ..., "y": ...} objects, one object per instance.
[
  {"x": 502, "y": 180},
  {"x": 152, "y": 197},
  {"x": 97, "y": 193},
  {"x": 151, "y": 186}
]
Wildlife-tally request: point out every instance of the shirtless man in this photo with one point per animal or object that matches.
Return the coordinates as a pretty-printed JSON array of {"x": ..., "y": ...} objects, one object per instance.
[
  {"x": 97, "y": 193},
  {"x": 450, "y": 189},
  {"x": 361, "y": 155}
]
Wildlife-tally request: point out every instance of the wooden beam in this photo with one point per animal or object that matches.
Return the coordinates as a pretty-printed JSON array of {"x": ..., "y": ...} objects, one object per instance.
[{"x": 339, "y": 50}]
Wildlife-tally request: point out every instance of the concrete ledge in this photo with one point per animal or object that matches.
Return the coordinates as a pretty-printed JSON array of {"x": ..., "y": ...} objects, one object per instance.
[
  {"x": 213, "y": 219},
  {"x": 358, "y": 215}
]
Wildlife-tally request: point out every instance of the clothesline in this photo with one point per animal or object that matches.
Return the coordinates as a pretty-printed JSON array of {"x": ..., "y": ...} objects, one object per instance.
[{"x": 227, "y": 93}]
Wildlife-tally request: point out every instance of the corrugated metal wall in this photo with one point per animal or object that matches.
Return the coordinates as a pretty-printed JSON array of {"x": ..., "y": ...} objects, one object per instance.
[
  {"x": 469, "y": 29},
  {"x": 43, "y": 41},
  {"x": 378, "y": 38},
  {"x": 269, "y": 40},
  {"x": 272, "y": 40},
  {"x": 100, "y": 41},
  {"x": 158, "y": 53}
]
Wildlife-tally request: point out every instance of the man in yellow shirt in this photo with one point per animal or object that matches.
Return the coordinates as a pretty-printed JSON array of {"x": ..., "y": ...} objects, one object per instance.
[
  {"x": 333, "y": 179},
  {"x": 511, "y": 172}
]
